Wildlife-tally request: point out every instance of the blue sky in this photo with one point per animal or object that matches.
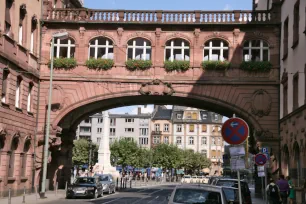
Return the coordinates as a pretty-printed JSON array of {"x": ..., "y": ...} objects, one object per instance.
[{"x": 170, "y": 4}]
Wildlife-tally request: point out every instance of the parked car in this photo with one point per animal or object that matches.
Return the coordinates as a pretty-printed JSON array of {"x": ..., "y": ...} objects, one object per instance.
[
  {"x": 228, "y": 182},
  {"x": 194, "y": 179},
  {"x": 108, "y": 183},
  {"x": 84, "y": 187},
  {"x": 232, "y": 195},
  {"x": 186, "y": 179},
  {"x": 194, "y": 193}
]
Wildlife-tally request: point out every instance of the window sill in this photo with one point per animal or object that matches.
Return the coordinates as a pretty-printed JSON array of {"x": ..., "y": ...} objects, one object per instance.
[
  {"x": 18, "y": 109},
  {"x": 23, "y": 178},
  {"x": 285, "y": 56},
  {"x": 11, "y": 178},
  {"x": 5, "y": 105},
  {"x": 30, "y": 113},
  {"x": 295, "y": 43}
]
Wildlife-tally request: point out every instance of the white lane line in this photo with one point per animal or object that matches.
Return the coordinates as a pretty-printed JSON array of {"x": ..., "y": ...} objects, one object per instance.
[
  {"x": 112, "y": 200},
  {"x": 154, "y": 199},
  {"x": 147, "y": 197}
]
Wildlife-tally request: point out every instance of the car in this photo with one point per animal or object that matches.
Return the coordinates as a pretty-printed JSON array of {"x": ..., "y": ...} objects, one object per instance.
[
  {"x": 228, "y": 182},
  {"x": 186, "y": 179},
  {"x": 232, "y": 195},
  {"x": 84, "y": 187},
  {"x": 108, "y": 183},
  {"x": 194, "y": 179},
  {"x": 197, "y": 193}
]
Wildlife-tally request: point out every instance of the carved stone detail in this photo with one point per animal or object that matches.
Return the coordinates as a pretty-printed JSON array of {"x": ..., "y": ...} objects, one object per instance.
[
  {"x": 158, "y": 34},
  {"x": 120, "y": 33},
  {"x": 284, "y": 77},
  {"x": 218, "y": 35},
  {"x": 263, "y": 134},
  {"x": 156, "y": 87},
  {"x": 82, "y": 31},
  {"x": 236, "y": 34},
  {"x": 142, "y": 35},
  {"x": 179, "y": 35},
  {"x": 58, "y": 96},
  {"x": 261, "y": 103},
  {"x": 196, "y": 33}
]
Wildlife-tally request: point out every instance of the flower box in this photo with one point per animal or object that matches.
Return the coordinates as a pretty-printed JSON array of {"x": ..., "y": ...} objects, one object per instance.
[
  {"x": 252, "y": 66},
  {"x": 178, "y": 65},
  {"x": 138, "y": 64},
  {"x": 104, "y": 64},
  {"x": 63, "y": 63},
  {"x": 216, "y": 65}
]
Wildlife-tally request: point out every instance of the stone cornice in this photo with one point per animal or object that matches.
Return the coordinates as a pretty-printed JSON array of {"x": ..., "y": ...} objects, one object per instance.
[{"x": 298, "y": 110}]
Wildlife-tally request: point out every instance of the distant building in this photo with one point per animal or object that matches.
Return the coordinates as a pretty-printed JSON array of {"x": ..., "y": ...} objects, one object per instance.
[{"x": 133, "y": 126}]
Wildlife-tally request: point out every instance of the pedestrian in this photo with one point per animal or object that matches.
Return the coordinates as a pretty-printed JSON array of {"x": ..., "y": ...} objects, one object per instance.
[
  {"x": 283, "y": 187},
  {"x": 273, "y": 193},
  {"x": 291, "y": 195}
]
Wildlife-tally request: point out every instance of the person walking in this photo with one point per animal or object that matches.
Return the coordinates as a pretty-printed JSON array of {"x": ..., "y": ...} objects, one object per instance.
[
  {"x": 273, "y": 193},
  {"x": 283, "y": 187},
  {"x": 291, "y": 195}
]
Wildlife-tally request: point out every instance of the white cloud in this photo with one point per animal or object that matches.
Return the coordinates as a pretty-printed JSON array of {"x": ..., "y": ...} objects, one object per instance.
[{"x": 227, "y": 7}]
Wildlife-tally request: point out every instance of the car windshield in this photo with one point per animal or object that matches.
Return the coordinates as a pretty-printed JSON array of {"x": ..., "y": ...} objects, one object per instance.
[
  {"x": 104, "y": 178},
  {"x": 231, "y": 194},
  {"x": 196, "y": 196},
  {"x": 84, "y": 180},
  {"x": 233, "y": 184}
]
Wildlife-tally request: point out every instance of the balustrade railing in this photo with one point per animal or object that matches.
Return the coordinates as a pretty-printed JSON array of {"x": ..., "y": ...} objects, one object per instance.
[{"x": 165, "y": 17}]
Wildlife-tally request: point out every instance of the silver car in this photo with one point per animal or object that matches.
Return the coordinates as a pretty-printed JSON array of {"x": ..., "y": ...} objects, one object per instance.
[
  {"x": 108, "y": 183},
  {"x": 197, "y": 193}
]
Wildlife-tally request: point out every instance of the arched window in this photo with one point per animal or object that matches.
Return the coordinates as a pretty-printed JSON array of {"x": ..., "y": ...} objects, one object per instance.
[
  {"x": 139, "y": 49},
  {"x": 256, "y": 50},
  {"x": 215, "y": 50},
  {"x": 11, "y": 160},
  {"x": 191, "y": 140},
  {"x": 23, "y": 157},
  {"x": 177, "y": 49},
  {"x": 64, "y": 48},
  {"x": 101, "y": 47}
]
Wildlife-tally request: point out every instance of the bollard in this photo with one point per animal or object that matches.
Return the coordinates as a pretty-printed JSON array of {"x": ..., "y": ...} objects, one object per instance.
[
  {"x": 9, "y": 196},
  {"x": 120, "y": 183},
  {"x": 56, "y": 187},
  {"x": 66, "y": 186},
  {"x": 24, "y": 192},
  {"x": 117, "y": 185},
  {"x": 36, "y": 192},
  {"x": 131, "y": 183}
]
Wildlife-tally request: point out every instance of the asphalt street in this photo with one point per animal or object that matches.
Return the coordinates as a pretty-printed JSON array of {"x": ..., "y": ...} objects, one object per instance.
[{"x": 152, "y": 195}]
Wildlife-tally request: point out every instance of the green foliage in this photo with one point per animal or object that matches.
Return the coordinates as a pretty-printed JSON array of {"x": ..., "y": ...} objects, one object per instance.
[
  {"x": 138, "y": 64},
  {"x": 216, "y": 65},
  {"x": 166, "y": 156},
  {"x": 80, "y": 152},
  {"x": 103, "y": 64},
  {"x": 262, "y": 66},
  {"x": 194, "y": 161},
  {"x": 63, "y": 63},
  {"x": 178, "y": 65}
]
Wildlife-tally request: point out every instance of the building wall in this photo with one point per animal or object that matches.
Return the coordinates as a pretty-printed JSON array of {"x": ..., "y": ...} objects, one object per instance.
[
  {"x": 18, "y": 124},
  {"x": 162, "y": 133}
]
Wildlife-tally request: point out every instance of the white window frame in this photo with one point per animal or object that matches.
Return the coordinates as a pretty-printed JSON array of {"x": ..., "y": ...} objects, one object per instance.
[
  {"x": 144, "y": 48},
  {"x": 179, "y": 127},
  {"x": 166, "y": 139},
  {"x": 172, "y": 48},
  {"x": 17, "y": 92},
  {"x": 58, "y": 46},
  {"x": 166, "y": 127},
  {"x": 261, "y": 48},
  {"x": 191, "y": 140},
  {"x": 156, "y": 140},
  {"x": 157, "y": 127},
  {"x": 204, "y": 140},
  {"x": 100, "y": 120},
  {"x": 99, "y": 130},
  {"x": 107, "y": 46},
  {"x": 211, "y": 48},
  {"x": 179, "y": 116},
  {"x": 32, "y": 42},
  {"x": 179, "y": 140},
  {"x": 20, "y": 36},
  {"x": 29, "y": 98},
  {"x": 213, "y": 141},
  {"x": 206, "y": 116}
]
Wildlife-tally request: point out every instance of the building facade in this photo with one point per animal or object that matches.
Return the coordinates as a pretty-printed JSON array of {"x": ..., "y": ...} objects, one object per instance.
[
  {"x": 131, "y": 126},
  {"x": 19, "y": 87}
]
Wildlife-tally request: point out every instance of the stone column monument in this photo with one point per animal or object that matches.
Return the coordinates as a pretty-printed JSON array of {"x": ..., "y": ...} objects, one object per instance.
[{"x": 104, "y": 166}]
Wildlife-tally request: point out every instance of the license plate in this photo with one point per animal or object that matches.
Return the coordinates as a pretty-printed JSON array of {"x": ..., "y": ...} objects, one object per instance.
[{"x": 81, "y": 192}]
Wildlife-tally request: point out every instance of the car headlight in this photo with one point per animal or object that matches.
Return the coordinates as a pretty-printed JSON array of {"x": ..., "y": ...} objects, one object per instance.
[{"x": 90, "y": 188}]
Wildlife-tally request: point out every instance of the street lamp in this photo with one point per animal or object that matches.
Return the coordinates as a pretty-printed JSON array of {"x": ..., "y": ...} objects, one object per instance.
[{"x": 62, "y": 35}]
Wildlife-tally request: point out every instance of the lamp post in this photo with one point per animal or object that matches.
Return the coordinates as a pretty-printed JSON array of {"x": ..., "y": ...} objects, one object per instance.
[
  {"x": 89, "y": 156},
  {"x": 62, "y": 35}
]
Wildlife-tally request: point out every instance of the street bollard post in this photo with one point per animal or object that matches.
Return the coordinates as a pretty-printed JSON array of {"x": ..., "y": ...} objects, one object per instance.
[
  {"x": 131, "y": 183},
  {"x": 9, "y": 196},
  {"x": 66, "y": 186},
  {"x": 36, "y": 192},
  {"x": 120, "y": 183},
  {"x": 117, "y": 183},
  {"x": 24, "y": 192},
  {"x": 56, "y": 187}
]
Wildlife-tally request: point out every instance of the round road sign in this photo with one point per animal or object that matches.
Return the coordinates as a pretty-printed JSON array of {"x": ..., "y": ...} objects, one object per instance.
[
  {"x": 260, "y": 159},
  {"x": 235, "y": 131}
]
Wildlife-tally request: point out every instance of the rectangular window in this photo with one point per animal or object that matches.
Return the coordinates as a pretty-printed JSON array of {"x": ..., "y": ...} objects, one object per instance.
[
  {"x": 112, "y": 121},
  {"x": 22, "y": 13},
  {"x": 23, "y": 159},
  {"x": 191, "y": 128},
  {"x": 99, "y": 130},
  {"x": 285, "y": 40},
  {"x": 29, "y": 101},
  {"x": 144, "y": 131},
  {"x": 4, "y": 86},
  {"x": 166, "y": 140},
  {"x": 156, "y": 127},
  {"x": 11, "y": 164},
  {"x": 204, "y": 153},
  {"x": 204, "y": 140},
  {"x": 156, "y": 140},
  {"x": 129, "y": 120},
  {"x": 296, "y": 22},
  {"x": 166, "y": 127},
  {"x": 213, "y": 141},
  {"x": 8, "y": 23},
  {"x": 129, "y": 129},
  {"x": 296, "y": 91},
  {"x": 112, "y": 131},
  {"x": 191, "y": 140},
  {"x": 179, "y": 128},
  {"x": 204, "y": 128},
  {"x": 88, "y": 120},
  {"x": 179, "y": 116},
  {"x": 17, "y": 93},
  {"x": 85, "y": 129},
  {"x": 188, "y": 115},
  {"x": 285, "y": 99},
  {"x": 204, "y": 116},
  {"x": 178, "y": 140},
  {"x": 216, "y": 117},
  {"x": 194, "y": 116},
  {"x": 98, "y": 140},
  {"x": 100, "y": 120}
]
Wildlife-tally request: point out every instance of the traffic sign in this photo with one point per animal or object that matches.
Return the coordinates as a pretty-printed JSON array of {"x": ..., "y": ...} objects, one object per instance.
[
  {"x": 260, "y": 159},
  {"x": 265, "y": 150},
  {"x": 235, "y": 131}
]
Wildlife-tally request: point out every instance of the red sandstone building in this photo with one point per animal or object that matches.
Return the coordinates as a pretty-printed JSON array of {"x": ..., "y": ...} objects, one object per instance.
[{"x": 158, "y": 38}]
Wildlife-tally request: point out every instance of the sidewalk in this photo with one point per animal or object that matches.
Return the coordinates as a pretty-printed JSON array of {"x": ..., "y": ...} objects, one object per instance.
[{"x": 35, "y": 199}]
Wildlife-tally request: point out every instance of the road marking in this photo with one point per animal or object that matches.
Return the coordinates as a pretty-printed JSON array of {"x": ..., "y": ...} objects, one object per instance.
[
  {"x": 112, "y": 200},
  {"x": 153, "y": 199},
  {"x": 147, "y": 197}
]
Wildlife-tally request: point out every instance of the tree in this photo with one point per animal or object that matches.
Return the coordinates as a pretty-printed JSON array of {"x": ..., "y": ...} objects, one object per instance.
[
  {"x": 80, "y": 152},
  {"x": 145, "y": 158},
  {"x": 124, "y": 152},
  {"x": 167, "y": 156},
  {"x": 193, "y": 161}
]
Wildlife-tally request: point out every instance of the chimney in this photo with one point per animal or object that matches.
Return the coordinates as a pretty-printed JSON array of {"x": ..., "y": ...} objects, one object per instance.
[{"x": 139, "y": 110}]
